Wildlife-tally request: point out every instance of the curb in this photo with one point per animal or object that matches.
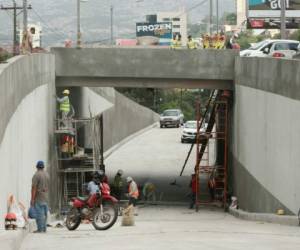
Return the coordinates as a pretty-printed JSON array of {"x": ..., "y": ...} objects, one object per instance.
[
  {"x": 288, "y": 220},
  {"x": 110, "y": 151},
  {"x": 13, "y": 239}
]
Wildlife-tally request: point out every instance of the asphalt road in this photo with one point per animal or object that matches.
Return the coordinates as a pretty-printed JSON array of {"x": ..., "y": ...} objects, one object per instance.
[
  {"x": 172, "y": 228},
  {"x": 156, "y": 156}
]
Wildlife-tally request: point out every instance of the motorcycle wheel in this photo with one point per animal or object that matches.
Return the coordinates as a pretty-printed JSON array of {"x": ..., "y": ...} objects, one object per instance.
[
  {"x": 106, "y": 217},
  {"x": 73, "y": 219}
]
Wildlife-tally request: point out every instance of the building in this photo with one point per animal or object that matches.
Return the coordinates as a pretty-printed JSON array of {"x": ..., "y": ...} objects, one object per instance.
[
  {"x": 36, "y": 31},
  {"x": 241, "y": 13},
  {"x": 179, "y": 22}
]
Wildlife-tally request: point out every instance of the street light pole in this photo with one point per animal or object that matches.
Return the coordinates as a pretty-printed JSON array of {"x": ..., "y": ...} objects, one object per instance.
[
  {"x": 111, "y": 25},
  {"x": 78, "y": 25},
  {"x": 282, "y": 20}
]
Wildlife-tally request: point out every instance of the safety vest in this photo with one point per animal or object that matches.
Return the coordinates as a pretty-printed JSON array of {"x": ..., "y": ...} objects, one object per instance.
[
  {"x": 65, "y": 105},
  {"x": 175, "y": 44},
  {"x": 192, "y": 44},
  {"x": 133, "y": 193}
]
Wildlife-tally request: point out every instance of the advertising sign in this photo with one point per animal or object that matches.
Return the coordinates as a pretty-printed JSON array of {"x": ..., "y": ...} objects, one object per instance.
[
  {"x": 269, "y": 23},
  {"x": 271, "y": 8},
  {"x": 159, "y": 33}
]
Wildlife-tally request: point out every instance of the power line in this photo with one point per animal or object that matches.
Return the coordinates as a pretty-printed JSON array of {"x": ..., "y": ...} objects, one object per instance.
[
  {"x": 58, "y": 34},
  {"x": 14, "y": 8}
]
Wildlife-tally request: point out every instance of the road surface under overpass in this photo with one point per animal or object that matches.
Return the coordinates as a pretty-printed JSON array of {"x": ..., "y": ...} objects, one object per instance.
[{"x": 144, "y": 67}]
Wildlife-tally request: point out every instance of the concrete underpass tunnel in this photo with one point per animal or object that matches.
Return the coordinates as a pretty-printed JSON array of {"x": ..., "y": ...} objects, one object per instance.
[{"x": 157, "y": 155}]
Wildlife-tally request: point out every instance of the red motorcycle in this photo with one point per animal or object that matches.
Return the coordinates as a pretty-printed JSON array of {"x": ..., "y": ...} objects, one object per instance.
[{"x": 100, "y": 208}]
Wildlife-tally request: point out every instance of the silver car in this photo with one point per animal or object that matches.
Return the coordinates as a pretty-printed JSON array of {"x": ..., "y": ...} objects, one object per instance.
[{"x": 171, "y": 117}]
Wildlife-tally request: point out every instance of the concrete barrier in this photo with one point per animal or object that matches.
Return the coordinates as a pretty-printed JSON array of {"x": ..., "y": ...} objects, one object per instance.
[
  {"x": 263, "y": 217},
  {"x": 266, "y": 138},
  {"x": 122, "y": 117},
  {"x": 26, "y": 106}
]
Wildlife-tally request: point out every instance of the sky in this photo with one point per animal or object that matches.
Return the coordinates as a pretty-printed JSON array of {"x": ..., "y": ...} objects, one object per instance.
[{"x": 58, "y": 17}]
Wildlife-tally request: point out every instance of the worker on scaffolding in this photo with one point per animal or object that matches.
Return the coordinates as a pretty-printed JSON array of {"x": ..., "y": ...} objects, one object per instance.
[{"x": 64, "y": 107}]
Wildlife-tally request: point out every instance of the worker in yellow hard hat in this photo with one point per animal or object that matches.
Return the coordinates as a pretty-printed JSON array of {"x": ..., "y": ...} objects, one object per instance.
[
  {"x": 64, "y": 106},
  {"x": 206, "y": 42},
  {"x": 191, "y": 43}
]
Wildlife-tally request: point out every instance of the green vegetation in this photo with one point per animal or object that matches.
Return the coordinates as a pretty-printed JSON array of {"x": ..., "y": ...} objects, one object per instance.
[
  {"x": 4, "y": 55},
  {"x": 160, "y": 99}
]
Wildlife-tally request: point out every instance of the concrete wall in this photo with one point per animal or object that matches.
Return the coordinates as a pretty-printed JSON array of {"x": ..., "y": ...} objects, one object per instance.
[
  {"x": 26, "y": 98},
  {"x": 144, "y": 67},
  {"x": 266, "y": 135},
  {"x": 122, "y": 117}
]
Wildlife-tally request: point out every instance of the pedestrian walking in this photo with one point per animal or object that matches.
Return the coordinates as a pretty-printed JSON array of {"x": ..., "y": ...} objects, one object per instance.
[{"x": 39, "y": 196}]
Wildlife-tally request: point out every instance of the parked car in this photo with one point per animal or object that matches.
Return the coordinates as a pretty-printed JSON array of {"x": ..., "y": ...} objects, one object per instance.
[
  {"x": 272, "y": 48},
  {"x": 189, "y": 131},
  {"x": 297, "y": 55},
  {"x": 171, "y": 117}
]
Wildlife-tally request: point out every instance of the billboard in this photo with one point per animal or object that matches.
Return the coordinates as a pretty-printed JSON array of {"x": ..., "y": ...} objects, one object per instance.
[
  {"x": 158, "y": 33},
  {"x": 271, "y": 8}
]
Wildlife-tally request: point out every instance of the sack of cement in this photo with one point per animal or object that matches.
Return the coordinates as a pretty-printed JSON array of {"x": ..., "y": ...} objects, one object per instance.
[{"x": 128, "y": 217}]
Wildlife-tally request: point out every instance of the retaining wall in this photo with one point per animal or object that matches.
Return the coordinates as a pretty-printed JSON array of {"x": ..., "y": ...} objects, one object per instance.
[
  {"x": 26, "y": 96},
  {"x": 266, "y": 135}
]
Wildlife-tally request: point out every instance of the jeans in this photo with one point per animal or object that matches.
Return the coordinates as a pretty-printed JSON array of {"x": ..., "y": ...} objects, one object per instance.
[
  {"x": 193, "y": 200},
  {"x": 41, "y": 216},
  {"x": 132, "y": 201}
]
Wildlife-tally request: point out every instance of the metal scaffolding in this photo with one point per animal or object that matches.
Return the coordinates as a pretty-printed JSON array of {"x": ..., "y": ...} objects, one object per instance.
[
  {"x": 75, "y": 163},
  {"x": 216, "y": 131}
]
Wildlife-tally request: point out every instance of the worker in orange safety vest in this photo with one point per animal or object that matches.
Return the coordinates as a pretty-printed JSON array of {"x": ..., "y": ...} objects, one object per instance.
[{"x": 133, "y": 191}]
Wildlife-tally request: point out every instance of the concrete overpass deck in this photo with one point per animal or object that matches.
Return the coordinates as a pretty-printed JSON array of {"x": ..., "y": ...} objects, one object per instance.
[{"x": 144, "y": 67}]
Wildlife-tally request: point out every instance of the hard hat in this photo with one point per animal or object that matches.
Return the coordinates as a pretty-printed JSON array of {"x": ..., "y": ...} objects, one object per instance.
[
  {"x": 129, "y": 179},
  {"x": 120, "y": 172},
  {"x": 66, "y": 92},
  {"x": 40, "y": 164},
  {"x": 280, "y": 212}
]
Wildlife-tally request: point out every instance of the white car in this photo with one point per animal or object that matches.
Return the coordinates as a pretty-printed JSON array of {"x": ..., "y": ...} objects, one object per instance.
[
  {"x": 189, "y": 131},
  {"x": 272, "y": 48}
]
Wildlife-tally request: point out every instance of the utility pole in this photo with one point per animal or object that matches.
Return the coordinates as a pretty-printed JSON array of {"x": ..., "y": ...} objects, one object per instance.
[
  {"x": 217, "y": 13},
  {"x": 78, "y": 25},
  {"x": 283, "y": 19},
  {"x": 14, "y": 8},
  {"x": 111, "y": 25},
  {"x": 210, "y": 17},
  {"x": 25, "y": 16}
]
